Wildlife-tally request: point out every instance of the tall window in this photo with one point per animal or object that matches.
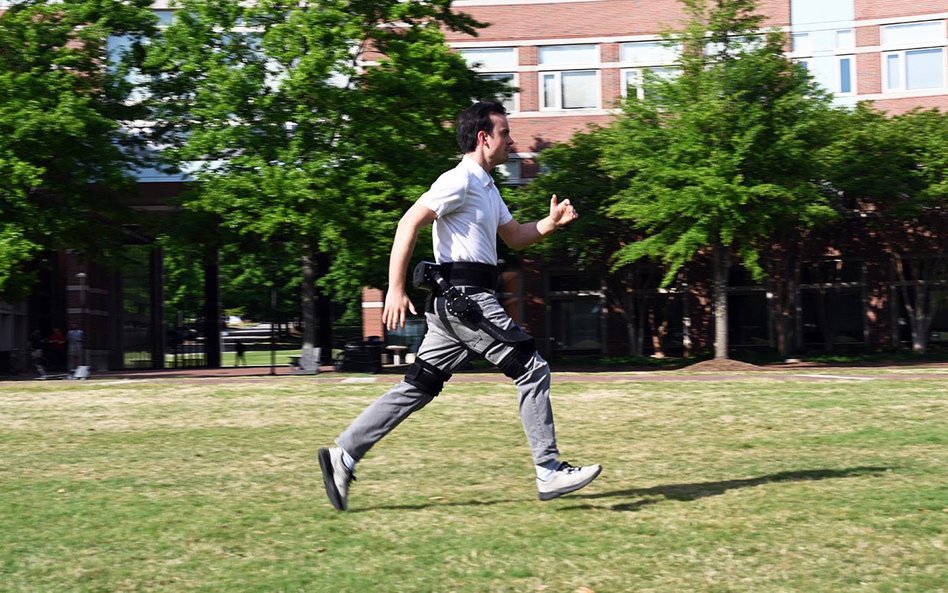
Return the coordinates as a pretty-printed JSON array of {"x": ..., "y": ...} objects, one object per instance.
[
  {"x": 569, "y": 77},
  {"x": 496, "y": 63},
  {"x": 845, "y": 71}
]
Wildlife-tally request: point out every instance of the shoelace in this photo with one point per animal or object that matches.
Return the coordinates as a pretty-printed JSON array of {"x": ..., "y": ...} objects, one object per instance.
[{"x": 565, "y": 467}]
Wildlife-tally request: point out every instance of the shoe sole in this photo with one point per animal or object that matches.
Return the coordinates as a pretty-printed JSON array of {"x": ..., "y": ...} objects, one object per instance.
[
  {"x": 325, "y": 465},
  {"x": 573, "y": 488}
]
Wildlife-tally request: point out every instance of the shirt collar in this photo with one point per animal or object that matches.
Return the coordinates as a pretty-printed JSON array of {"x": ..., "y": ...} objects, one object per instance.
[{"x": 483, "y": 176}]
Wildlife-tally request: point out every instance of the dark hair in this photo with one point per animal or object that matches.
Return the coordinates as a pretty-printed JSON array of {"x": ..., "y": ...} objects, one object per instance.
[{"x": 474, "y": 119}]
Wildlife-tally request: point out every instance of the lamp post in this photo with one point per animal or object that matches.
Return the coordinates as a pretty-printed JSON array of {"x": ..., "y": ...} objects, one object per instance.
[
  {"x": 82, "y": 317},
  {"x": 273, "y": 303}
]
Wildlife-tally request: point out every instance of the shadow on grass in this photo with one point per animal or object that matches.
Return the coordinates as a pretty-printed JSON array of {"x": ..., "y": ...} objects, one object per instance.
[
  {"x": 689, "y": 492},
  {"x": 656, "y": 494}
]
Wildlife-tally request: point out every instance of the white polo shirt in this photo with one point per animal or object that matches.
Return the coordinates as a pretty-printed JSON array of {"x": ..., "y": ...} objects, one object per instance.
[{"x": 469, "y": 210}]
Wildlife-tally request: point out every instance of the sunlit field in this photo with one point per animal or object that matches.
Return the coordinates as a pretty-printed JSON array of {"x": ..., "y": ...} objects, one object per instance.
[{"x": 742, "y": 485}]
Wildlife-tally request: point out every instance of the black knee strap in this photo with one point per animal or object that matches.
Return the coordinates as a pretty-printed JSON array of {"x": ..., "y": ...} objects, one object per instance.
[
  {"x": 426, "y": 377},
  {"x": 515, "y": 363}
]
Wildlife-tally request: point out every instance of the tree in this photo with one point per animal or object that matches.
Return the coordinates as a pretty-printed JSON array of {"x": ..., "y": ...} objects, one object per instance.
[
  {"x": 721, "y": 161},
  {"x": 893, "y": 172},
  {"x": 311, "y": 124},
  {"x": 64, "y": 152}
]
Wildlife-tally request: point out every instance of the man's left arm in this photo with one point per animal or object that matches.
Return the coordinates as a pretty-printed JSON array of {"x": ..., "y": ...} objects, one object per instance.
[{"x": 518, "y": 236}]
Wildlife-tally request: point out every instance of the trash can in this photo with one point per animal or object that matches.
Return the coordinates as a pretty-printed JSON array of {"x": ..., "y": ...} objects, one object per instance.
[{"x": 362, "y": 357}]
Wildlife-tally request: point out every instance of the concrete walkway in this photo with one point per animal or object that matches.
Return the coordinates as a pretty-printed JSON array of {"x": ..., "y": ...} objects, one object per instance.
[{"x": 391, "y": 374}]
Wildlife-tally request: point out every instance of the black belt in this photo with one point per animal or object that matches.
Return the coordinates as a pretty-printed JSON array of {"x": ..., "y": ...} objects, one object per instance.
[{"x": 462, "y": 273}]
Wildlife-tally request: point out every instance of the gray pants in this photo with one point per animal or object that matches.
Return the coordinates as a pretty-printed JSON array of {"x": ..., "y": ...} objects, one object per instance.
[{"x": 448, "y": 344}]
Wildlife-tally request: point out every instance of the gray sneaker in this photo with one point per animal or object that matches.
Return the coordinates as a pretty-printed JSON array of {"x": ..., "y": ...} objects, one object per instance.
[
  {"x": 566, "y": 479},
  {"x": 336, "y": 477}
]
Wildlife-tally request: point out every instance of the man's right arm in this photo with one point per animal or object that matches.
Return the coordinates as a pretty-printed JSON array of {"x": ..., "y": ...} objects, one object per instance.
[{"x": 397, "y": 303}]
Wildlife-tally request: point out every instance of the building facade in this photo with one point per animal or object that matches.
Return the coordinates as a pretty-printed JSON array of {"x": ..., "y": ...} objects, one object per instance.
[{"x": 573, "y": 61}]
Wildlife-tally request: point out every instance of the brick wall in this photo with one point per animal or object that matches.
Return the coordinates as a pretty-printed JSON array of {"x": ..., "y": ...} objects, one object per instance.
[
  {"x": 534, "y": 133},
  {"x": 372, "y": 301},
  {"x": 901, "y": 105},
  {"x": 868, "y": 74},
  {"x": 882, "y": 9}
]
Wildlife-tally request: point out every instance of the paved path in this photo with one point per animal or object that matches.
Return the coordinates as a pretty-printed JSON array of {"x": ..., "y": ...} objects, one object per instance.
[{"x": 390, "y": 375}]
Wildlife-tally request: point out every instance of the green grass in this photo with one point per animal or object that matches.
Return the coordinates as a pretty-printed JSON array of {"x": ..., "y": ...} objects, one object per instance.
[{"x": 753, "y": 485}]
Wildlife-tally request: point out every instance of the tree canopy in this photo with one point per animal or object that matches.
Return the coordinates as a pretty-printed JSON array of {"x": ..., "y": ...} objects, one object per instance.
[
  {"x": 313, "y": 125},
  {"x": 64, "y": 153}
]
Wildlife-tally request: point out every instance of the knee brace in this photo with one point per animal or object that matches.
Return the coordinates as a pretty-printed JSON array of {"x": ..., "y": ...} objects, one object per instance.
[
  {"x": 426, "y": 377},
  {"x": 514, "y": 365}
]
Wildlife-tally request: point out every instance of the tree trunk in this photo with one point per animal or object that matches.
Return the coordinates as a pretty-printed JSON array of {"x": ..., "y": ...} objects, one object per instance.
[
  {"x": 783, "y": 280},
  {"x": 917, "y": 308},
  {"x": 920, "y": 320},
  {"x": 721, "y": 264}
]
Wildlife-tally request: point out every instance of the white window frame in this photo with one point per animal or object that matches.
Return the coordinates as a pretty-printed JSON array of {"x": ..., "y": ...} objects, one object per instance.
[
  {"x": 801, "y": 44},
  {"x": 558, "y": 89},
  {"x": 507, "y": 58},
  {"x": 936, "y": 27},
  {"x": 900, "y": 84},
  {"x": 515, "y": 83},
  {"x": 847, "y": 46},
  {"x": 505, "y": 66},
  {"x": 639, "y": 83},
  {"x": 838, "y": 90},
  {"x": 512, "y": 171},
  {"x": 556, "y": 66},
  {"x": 663, "y": 54}
]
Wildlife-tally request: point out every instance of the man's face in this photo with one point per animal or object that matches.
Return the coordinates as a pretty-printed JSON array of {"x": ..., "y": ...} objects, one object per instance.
[{"x": 498, "y": 143}]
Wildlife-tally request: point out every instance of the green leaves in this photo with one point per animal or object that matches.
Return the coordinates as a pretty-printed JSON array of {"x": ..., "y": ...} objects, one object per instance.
[
  {"x": 63, "y": 152},
  {"x": 315, "y": 125}
]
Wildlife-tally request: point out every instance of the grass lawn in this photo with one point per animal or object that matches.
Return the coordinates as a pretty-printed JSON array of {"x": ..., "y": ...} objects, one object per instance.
[{"x": 736, "y": 486}]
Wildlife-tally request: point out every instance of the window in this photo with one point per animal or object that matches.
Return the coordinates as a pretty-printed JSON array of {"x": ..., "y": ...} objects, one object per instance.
[
  {"x": 573, "y": 88},
  {"x": 576, "y": 312},
  {"x": 497, "y": 58},
  {"x": 634, "y": 79},
  {"x": 568, "y": 55},
  {"x": 510, "y": 101},
  {"x": 914, "y": 69},
  {"x": 845, "y": 39},
  {"x": 578, "y": 89},
  {"x": 845, "y": 72},
  {"x": 802, "y": 44},
  {"x": 649, "y": 52},
  {"x": 492, "y": 63},
  {"x": 913, "y": 33},
  {"x": 510, "y": 171},
  {"x": 831, "y": 303}
]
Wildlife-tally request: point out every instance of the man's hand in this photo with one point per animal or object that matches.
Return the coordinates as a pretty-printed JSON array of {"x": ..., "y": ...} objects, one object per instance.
[
  {"x": 562, "y": 213},
  {"x": 396, "y": 305}
]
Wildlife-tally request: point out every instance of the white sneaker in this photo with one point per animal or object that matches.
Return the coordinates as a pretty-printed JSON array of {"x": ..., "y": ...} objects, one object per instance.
[
  {"x": 336, "y": 477},
  {"x": 566, "y": 479}
]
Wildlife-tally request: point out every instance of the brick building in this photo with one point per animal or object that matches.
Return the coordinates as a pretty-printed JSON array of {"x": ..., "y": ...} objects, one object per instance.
[{"x": 572, "y": 61}]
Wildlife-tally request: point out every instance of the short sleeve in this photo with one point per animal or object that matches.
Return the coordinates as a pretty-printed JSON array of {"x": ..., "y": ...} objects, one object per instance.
[
  {"x": 505, "y": 215},
  {"x": 445, "y": 194}
]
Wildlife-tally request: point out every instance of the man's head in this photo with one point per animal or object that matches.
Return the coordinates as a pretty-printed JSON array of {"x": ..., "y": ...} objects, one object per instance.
[{"x": 483, "y": 126}]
